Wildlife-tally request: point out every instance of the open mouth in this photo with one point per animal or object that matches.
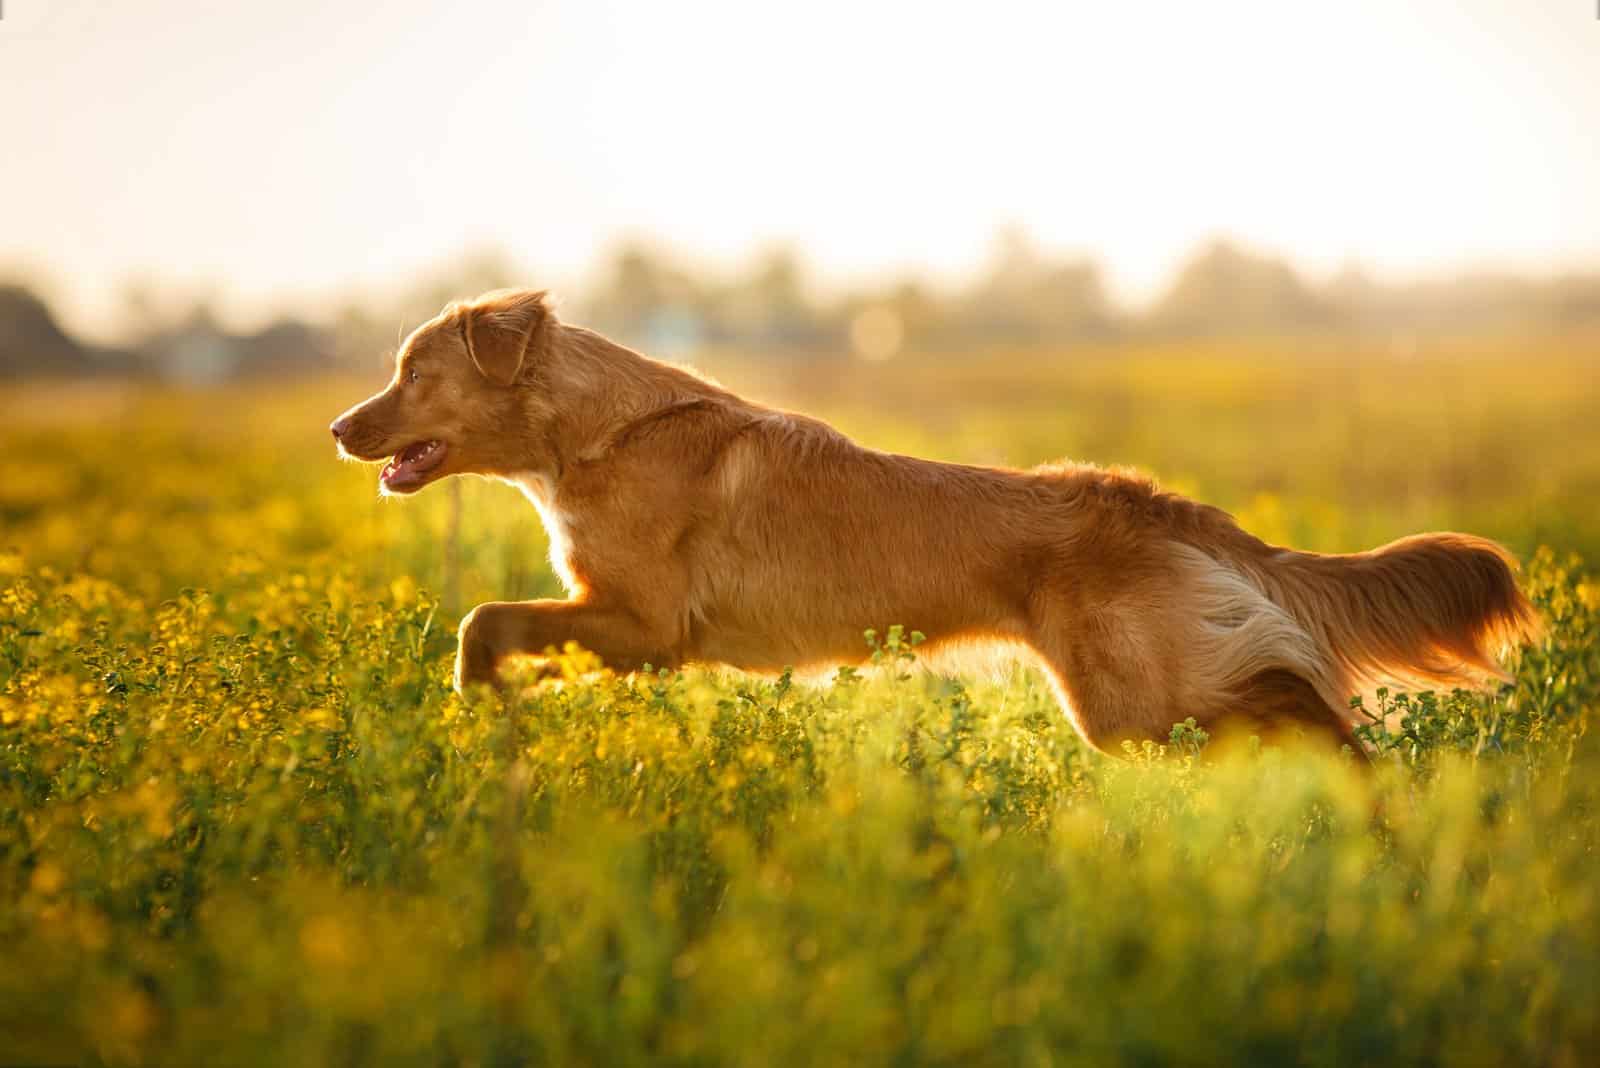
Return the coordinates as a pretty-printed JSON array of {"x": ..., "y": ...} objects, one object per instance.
[{"x": 411, "y": 466}]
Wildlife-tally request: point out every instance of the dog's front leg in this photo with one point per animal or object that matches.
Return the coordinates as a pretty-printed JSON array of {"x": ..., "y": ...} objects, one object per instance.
[{"x": 491, "y": 632}]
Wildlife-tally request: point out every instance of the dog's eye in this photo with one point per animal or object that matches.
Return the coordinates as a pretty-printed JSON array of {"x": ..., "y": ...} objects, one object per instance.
[{"x": 412, "y": 376}]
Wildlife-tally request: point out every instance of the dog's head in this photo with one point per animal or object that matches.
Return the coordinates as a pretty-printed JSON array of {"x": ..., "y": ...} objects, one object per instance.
[{"x": 452, "y": 406}]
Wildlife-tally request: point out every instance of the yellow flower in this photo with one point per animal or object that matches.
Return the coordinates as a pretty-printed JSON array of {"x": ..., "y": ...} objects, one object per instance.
[
  {"x": 47, "y": 880},
  {"x": 322, "y": 718},
  {"x": 403, "y": 590},
  {"x": 326, "y": 943},
  {"x": 124, "y": 1019}
]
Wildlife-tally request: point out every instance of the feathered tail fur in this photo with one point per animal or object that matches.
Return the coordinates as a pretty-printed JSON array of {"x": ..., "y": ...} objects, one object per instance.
[{"x": 1425, "y": 611}]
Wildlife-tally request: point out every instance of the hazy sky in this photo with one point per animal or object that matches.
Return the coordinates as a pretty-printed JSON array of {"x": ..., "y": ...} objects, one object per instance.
[{"x": 284, "y": 153}]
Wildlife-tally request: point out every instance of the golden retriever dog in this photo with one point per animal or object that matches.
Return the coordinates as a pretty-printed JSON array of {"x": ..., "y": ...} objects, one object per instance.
[{"x": 690, "y": 524}]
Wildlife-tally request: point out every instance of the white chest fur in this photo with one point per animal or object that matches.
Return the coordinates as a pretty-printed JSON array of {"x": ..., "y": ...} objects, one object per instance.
[{"x": 541, "y": 494}]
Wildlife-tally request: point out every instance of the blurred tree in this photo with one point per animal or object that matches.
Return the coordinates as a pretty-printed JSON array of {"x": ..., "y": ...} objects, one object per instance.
[
  {"x": 474, "y": 272},
  {"x": 921, "y": 320},
  {"x": 644, "y": 299},
  {"x": 1575, "y": 300},
  {"x": 32, "y": 342},
  {"x": 1355, "y": 299},
  {"x": 769, "y": 305},
  {"x": 1026, "y": 296},
  {"x": 142, "y": 313},
  {"x": 1226, "y": 289}
]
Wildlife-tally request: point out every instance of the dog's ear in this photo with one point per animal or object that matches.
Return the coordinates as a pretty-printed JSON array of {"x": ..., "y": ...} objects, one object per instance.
[{"x": 499, "y": 329}]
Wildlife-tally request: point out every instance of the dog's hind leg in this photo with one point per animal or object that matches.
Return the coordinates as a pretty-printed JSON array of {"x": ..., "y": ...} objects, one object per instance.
[
  {"x": 1278, "y": 703},
  {"x": 1115, "y": 689},
  {"x": 1194, "y": 637},
  {"x": 1105, "y": 669}
]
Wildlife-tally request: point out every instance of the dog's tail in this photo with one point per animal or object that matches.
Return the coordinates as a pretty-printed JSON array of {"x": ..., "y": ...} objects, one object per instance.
[{"x": 1421, "y": 612}]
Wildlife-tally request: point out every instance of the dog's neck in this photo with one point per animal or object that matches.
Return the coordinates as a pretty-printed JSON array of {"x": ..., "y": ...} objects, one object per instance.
[{"x": 592, "y": 390}]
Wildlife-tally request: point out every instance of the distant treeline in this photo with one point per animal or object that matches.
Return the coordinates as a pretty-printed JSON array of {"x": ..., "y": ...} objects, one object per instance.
[{"x": 651, "y": 299}]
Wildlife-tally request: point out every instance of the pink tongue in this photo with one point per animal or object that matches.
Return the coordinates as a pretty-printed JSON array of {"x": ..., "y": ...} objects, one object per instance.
[{"x": 402, "y": 465}]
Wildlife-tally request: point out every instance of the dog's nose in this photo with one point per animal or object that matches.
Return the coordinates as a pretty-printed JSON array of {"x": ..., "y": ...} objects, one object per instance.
[{"x": 339, "y": 426}]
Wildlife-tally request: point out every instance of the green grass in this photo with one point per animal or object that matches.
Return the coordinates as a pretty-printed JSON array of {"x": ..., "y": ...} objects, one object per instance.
[{"x": 243, "y": 820}]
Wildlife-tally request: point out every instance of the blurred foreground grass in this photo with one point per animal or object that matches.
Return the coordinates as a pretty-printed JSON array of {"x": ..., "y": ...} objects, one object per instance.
[{"x": 243, "y": 820}]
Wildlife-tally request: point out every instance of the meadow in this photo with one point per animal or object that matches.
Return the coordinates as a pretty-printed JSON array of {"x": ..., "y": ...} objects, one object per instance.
[{"x": 244, "y": 820}]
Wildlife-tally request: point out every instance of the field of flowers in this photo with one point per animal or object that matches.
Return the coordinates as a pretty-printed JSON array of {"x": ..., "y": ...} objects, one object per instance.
[{"x": 244, "y": 820}]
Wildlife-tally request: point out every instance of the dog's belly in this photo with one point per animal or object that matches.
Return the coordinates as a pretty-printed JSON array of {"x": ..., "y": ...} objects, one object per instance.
[
  {"x": 795, "y": 635},
  {"x": 805, "y": 609},
  {"x": 758, "y": 651}
]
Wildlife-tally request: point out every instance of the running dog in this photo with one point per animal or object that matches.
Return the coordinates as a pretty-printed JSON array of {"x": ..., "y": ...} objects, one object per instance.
[{"x": 690, "y": 524}]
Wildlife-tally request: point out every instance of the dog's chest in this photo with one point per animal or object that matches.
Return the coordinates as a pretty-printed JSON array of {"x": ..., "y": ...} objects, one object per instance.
[{"x": 557, "y": 526}]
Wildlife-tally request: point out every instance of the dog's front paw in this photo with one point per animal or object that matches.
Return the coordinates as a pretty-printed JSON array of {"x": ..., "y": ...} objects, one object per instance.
[
  {"x": 475, "y": 659},
  {"x": 475, "y": 673},
  {"x": 467, "y": 683}
]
